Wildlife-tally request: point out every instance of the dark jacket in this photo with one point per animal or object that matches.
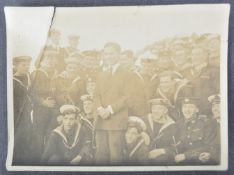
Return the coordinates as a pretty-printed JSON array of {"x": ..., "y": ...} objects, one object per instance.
[
  {"x": 60, "y": 151},
  {"x": 23, "y": 127},
  {"x": 162, "y": 137},
  {"x": 205, "y": 83},
  {"x": 136, "y": 153},
  {"x": 41, "y": 89},
  {"x": 193, "y": 137},
  {"x": 68, "y": 91},
  {"x": 215, "y": 142}
]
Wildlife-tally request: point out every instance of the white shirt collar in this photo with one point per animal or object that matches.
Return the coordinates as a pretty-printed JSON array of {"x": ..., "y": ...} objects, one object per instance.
[{"x": 114, "y": 67}]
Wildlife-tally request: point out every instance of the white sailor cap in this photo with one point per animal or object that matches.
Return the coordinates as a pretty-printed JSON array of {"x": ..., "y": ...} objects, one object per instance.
[
  {"x": 69, "y": 109},
  {"x": 214, "y": 99},
  {"x": 137, "y": 122}
]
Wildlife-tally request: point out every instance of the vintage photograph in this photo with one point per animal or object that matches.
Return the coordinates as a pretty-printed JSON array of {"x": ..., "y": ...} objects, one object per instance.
[{"x": 120, "y": 87}]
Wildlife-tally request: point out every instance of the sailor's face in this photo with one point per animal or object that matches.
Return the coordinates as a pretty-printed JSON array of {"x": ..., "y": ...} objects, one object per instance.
[
  {"x": 23, "y": 67},
  {"x": 69, "y": 121},
  {"x": 110, "y": 55},
  {"x": 158, "y": 111},
  {"x": 216, "y": 110},
  {"x": 131, "y": 135},
  {"x": 189, "y": 110},
  {"x": 88, "y": 107}
]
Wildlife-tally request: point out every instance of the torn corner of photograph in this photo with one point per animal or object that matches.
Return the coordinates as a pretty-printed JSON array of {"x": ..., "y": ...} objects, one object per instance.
[{"x": 133, "y": 88}]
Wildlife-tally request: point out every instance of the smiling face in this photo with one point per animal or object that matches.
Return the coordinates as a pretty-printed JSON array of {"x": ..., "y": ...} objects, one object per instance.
[
  {"x": 189, "y": 110},
  {"x": 69, "y": 121},
  {"x": 131, "y": 135}
]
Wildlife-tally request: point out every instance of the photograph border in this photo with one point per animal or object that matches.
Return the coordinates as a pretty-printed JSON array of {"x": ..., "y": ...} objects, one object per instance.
[{"x": 128, "y": 168}]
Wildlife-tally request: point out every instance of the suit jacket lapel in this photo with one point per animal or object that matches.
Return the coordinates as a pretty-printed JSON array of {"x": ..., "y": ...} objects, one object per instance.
[
  {"x": 110, "y": 82},
  {"x": 105, "y": 83}
]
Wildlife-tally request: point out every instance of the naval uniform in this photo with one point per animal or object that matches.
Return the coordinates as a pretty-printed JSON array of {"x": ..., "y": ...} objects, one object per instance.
[
  {"x": 215, "y": 144},
  {"x": 193, "y": 137},
  {"x": 181, "y": 90},
  {"x": 41, "y": 89},
  {"x": 22, "y": 121},
  {"x": 162, "y": 137},
  {"x": 61, "y": 149},
  {"x": 136, "y": 153},
  {"x": 68, "y": 91},
  {"x": 205, "y": 82}
]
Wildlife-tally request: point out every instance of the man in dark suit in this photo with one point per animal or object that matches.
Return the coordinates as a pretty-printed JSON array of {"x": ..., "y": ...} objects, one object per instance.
[{"x": 112, "y": 108}]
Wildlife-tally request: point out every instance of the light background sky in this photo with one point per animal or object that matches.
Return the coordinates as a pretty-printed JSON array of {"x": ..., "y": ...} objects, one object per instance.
[
  {"x": 132, "y": 27},
  {"x": 27, "y": 30},
  {"x": 135, "y": 27}
]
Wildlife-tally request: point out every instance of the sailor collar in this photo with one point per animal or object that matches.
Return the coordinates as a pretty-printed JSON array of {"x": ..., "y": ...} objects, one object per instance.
[
  {"x": 164, "y": 126},
  {"x": 59, "y": 130},
  {"x": 21, "y": 83}
]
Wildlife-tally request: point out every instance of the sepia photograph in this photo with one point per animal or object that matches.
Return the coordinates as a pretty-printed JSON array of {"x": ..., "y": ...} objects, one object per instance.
[{"x": 137, "y": 88}]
